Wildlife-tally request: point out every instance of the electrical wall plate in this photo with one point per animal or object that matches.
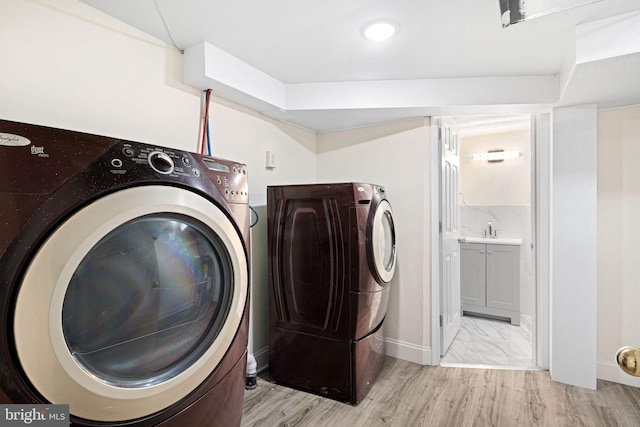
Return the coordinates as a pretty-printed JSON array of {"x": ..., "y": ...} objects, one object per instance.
[{"x": 270, "y": 160}]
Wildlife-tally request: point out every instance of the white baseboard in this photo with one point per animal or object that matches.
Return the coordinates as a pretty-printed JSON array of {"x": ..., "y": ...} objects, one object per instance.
[
  {"x": 262, "y": 359},
  {"x": 612, "y": 372},
  {"x": 409, "y": 352}
]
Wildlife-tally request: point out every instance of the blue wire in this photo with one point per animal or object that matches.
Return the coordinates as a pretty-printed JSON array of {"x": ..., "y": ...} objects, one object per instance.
[
  {"x": 255, "y": 212},
  {"x": 208, "y": 140},
  {"x": 208, "y": 136}
]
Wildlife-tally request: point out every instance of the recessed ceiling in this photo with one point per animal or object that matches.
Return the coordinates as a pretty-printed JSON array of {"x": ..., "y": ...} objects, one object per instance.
[{"x": 317, "y": 48}]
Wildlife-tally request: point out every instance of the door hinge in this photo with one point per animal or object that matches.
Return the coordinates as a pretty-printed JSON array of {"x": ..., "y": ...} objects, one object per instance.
[{"x": 441, "y": 320}]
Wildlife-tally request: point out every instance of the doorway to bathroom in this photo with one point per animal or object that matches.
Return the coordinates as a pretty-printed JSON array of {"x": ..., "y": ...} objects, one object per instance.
[{"x": 487, "y": 203}]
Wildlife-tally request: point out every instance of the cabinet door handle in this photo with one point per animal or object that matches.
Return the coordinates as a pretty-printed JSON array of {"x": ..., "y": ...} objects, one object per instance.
[
  {"x": 481, "y": 252},
  {"x": 489, "y": 252}
]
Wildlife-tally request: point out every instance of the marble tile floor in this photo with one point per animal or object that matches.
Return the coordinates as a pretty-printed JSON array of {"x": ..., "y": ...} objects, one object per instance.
[{"x": 489, "y": 343}]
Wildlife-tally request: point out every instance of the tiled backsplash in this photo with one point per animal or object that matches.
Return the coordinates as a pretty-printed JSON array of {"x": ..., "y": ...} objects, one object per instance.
[{"x": 509, "y": 222}]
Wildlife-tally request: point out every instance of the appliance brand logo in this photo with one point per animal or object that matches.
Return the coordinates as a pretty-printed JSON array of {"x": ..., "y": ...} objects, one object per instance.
[
  {"x": 36, "y": 415},
  {"x": 38, "y": 151},
  {"x": 11, "y": 140}
]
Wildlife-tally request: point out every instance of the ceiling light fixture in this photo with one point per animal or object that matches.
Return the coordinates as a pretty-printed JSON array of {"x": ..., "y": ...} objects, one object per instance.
[{"x": 380, "y": 30}]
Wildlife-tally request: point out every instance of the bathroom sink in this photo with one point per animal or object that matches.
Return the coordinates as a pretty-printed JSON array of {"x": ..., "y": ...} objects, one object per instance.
[{"x": 491, "y": 241}]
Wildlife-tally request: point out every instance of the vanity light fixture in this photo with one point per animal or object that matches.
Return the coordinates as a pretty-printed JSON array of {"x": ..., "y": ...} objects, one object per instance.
[
  {"x": 496, "y": 155},
  {"x": 380, "y": 30}
]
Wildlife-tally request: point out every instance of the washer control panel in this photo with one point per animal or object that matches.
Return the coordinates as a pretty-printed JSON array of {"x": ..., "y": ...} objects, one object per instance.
[{"x": 230, "y": 178}]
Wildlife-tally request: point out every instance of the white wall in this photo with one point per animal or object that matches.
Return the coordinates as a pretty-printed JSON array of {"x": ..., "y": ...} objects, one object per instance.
[
  {"x": 574, "y": 246},
  {"x": 506, "y": 183},
  {"x": 69, "y": 66},
  {"x": 395, "y": 156},
  {"x": 618, "y": 250}
]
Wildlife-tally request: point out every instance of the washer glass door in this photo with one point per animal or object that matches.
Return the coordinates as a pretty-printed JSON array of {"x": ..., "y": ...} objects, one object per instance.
[
  {"x": 383, "y": 241},
  {"x": 131, "y": 303},
  {"x": 147, "y": 300}
]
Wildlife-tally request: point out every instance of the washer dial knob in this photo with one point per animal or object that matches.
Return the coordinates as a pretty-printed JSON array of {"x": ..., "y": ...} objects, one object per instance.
[{"x": 161, "y": 162}]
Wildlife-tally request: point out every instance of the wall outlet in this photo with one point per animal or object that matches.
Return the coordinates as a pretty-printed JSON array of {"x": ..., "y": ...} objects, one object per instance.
[{"x": 270, "y": 160}]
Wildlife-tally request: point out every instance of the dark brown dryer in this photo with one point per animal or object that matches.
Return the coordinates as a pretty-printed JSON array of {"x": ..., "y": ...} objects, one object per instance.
[{"x": 331, "y": 257}]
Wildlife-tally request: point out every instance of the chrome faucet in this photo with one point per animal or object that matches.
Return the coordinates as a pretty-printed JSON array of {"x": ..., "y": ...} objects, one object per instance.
[{"x": 490, "y": 233}]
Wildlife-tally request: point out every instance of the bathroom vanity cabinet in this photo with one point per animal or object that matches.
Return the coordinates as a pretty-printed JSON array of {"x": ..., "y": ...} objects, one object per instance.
[{"x": 490, "y": 279}]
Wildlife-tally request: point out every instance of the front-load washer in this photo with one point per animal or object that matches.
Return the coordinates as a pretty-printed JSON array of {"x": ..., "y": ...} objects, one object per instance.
[
  {"x": 332, "y": 255},
  {"x": 124, "y": 272}
]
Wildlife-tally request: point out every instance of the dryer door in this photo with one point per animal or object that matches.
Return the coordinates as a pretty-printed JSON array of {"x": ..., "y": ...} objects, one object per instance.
[
  {"x": 382, "y": 242},
  {"x": 131, "y": 303}
]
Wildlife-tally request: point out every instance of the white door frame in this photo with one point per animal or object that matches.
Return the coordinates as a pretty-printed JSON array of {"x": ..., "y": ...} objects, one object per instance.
[
  {"x": 541, "y": 238},
  {"x": 434, "y": 226},
  {"x": 541, "y": 152}
]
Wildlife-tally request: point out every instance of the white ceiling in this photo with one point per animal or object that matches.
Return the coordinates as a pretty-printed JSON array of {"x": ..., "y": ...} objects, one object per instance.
[{"x": 332, "y": 78}]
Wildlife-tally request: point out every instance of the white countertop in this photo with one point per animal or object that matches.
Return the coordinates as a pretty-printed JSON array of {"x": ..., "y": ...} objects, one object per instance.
[{"x": 491, "y": 241}]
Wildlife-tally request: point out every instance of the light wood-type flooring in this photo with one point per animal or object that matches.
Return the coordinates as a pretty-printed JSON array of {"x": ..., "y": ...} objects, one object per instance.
[{"x": 408, "y": 394}]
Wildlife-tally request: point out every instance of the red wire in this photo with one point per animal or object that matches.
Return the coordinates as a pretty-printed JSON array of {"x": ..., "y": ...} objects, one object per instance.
[{"x": 205, "y": 120}]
